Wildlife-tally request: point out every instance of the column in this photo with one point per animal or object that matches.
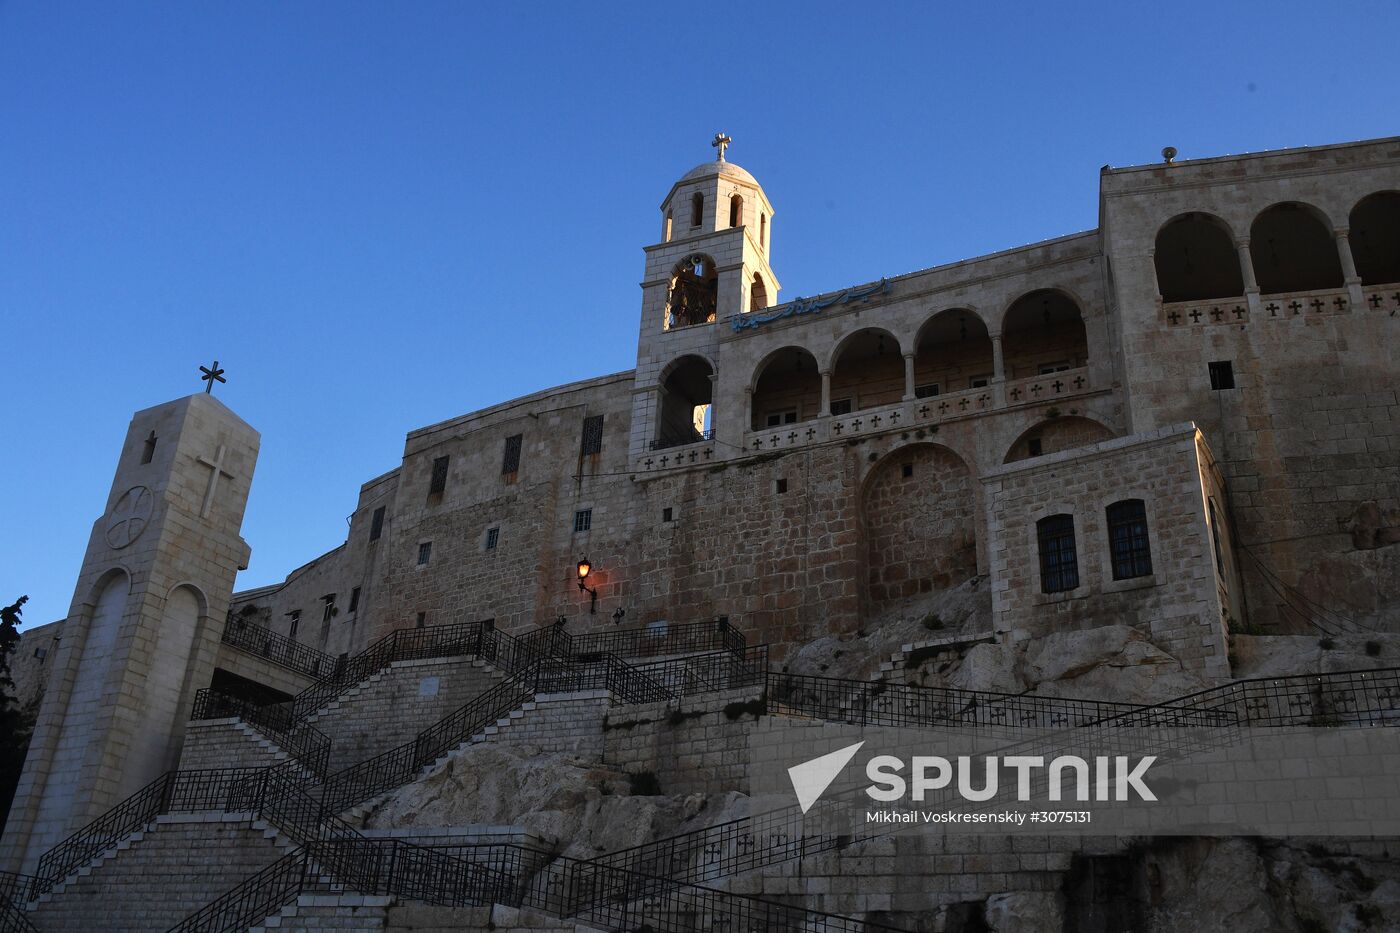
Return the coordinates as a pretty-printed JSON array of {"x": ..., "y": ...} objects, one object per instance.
[
  {"x": 1349, "y": 276},
  {"x": 1251, "y": 285},
  {"x": 826, "y": 393},
  {"x": 998, "y": 364},
  {"x": 908, "y": 377}
]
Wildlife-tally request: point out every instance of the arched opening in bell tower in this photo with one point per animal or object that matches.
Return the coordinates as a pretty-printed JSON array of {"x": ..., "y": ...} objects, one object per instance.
[
  {"x": 685, "y": 409},
  {"x": 694, "y": 292}
]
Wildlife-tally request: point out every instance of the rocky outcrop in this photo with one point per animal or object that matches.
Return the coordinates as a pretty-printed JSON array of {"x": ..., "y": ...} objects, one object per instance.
[{"x": 1281, "y": 655}]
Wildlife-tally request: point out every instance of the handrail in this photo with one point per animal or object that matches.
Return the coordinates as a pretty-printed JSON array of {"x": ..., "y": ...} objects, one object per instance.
[
  {"x": 279, "y": 649},
  {"x": 301, "y": 739}
]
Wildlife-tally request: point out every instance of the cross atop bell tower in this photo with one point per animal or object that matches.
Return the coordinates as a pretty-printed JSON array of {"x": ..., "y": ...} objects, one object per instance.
[{"x": 721, "y": 142}]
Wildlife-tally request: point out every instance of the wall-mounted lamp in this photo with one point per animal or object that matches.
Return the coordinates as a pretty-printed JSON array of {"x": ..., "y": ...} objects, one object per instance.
[{"x": 585, "y": 567}]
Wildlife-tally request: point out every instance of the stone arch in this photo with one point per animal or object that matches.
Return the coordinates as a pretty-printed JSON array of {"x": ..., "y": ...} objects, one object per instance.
[
  {"x": 952, "y": 349},
  {"x": 685, "y": 408},
  {"x": 1196, "y": 259},
  {"x": 1375, "y": 238},
  {"x": 693, "y": 295},
  {"x": 919, "y": 519},
  {"x": 867, "y": 368},
  {"x": 166, "y": 687},
  {"x": 1053, "y": 435},
  {"x": 1292, "y": 249},
  {"x": 786, "y": 382},
  {"x": 758, "y": 293},
  {"x": 101, "y": 621},
  {"x": 736, "y": 210},
  {"x": 1043, "y": 331}
]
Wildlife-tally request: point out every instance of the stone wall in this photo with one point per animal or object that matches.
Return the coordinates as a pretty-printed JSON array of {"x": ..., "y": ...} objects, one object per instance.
[{"x": 1178, "y": 606}]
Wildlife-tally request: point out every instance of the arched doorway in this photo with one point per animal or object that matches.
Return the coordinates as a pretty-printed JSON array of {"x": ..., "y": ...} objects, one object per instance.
[
  {"x": 787, "y": 389},
  {"x": 685, "y": 413},
  {"x": 1043, "y": 332},
  {"x": 1196, "y": 260},
  {"x": 1293, "y": 251}
]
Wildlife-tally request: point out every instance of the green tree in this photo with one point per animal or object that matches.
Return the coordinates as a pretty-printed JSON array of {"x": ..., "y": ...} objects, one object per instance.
[{"x": 16, "y": 722}]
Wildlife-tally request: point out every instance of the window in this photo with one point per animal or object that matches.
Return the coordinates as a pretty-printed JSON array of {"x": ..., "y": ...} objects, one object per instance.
[
  {"x": 1059, "y": 564},
  {"x": 439, "y": 480},
  {"x": 697, "y": 208},
  {"x": 1222, "y": 375},
  {"x": 1058, "y": 366},
  {"x": 1035, "y": 446},
  {"x": 1127, "y": 540},
  {"x": 149, "y": 451},
  {"x": 1215, "y": 537},
  {"x": 493, "y": 538},
  {"x": 666, "y": 233},
  {"x": 583, "y": 520},
  {"x": 763, "y": 231},
  {"x": 41, "y": 654},
  {"x": 736, "y": 210},
  {"x": 927, "y": 390},
  {"x": 425, "y": 552},
  {"x": 510, "y": 463},
  {"x": 376, "y": 524},
  {"x": 327, "y": 607},
  {"x": 841, "y": 406},
  {"x": 780, "y": 486},
  {"x": 979, "y": 382},
  {"x": 592, "y": 435},
  {"x": 295, "y": 620},
  {"x": 907, "y": 470},
  {"x": 421, "y": 621},
  {"x": 787, "y": 416},
  {"x": 354, "y": 600},
  {"x": 667, "y": 514}
]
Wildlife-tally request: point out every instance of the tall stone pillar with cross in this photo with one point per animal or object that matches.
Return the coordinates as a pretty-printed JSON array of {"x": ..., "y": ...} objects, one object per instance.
[{"x": 145, "y": 623}]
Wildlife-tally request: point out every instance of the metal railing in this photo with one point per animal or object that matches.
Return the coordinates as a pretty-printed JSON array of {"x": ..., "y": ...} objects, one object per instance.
[
  {"x": 658, "y": 639},
  {"x": 707, "y": 673},
  {"x": 12, "y": 918},
  {"x": 311, "y": 746},
  {"x": 279, "y": 649},
  {"x": 666, "y": 441}
]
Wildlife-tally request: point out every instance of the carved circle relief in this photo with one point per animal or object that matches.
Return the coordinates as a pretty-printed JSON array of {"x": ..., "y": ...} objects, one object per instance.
[{"x": 129, "y": 517}]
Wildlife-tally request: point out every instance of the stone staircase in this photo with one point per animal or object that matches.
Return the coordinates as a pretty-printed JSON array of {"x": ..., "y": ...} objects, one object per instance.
[{"x": 155, "y": 877}]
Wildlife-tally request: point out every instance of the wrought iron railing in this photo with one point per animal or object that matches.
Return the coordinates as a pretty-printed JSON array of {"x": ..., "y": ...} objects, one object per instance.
[
  {"x": 658, "y": 639},
  {"x": 311, "y": 746},
  {"x": 877, "y": 703},
  {"x": 279, "y": 649},
  {"x": 231, "y": 789},
  {"x": 707, "y": 673},
  {"x": 668, "y": 440},
  {"x": 13, "y": 918}
]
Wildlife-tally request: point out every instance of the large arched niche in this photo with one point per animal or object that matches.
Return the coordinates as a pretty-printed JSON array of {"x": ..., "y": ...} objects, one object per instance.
[
  {"x": 867, "y": 370},
  {"x": 687, "y": 396},
  {"x": 787, "y": 388},
  {"x": 1196, "y": 259},
  {"x": 1043, "y": 332},
  {"x": 952, "y": 352},
  {"x": 161, "y": 710},
  {"x": 1056, "y": 434},
  {"x": 919, "y": 518},
  {"x": 1375, "y": 238},
  {"x": 1292, "y": 249}
]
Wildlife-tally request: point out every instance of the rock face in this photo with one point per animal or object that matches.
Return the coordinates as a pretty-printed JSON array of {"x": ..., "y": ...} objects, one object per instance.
[
  {"x": 586, "y": 808},
  {"x": 1281, "y": 655},
  {"x": 1025, "y": 912}
]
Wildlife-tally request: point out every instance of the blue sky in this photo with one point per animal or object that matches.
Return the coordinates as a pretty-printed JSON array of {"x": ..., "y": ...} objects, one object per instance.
[{"x": 378, "y": 216}]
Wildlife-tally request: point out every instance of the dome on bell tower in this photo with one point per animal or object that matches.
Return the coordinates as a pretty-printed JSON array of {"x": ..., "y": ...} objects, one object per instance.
[{"x": 716, "y": 196}]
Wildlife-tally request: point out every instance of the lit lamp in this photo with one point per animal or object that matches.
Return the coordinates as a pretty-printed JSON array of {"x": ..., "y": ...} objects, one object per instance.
[{"x": 584, "y": 569}]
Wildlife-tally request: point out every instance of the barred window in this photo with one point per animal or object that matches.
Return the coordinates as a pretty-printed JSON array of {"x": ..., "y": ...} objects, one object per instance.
[
  {"x": 439, "y": 481},
  {"x": 583, "y": 520},
  {"x": 493, "y": 538},
  {"x": 511, "y": 461},
  {"x": 376, "y": 524},
  {"x": 592, "y": 435},
  {"x": 1059, "y": 564},
  {"x": 1127, "y": 539},
  {"x": 425, "y": 552},
  {"x": 354, "y": 599}
]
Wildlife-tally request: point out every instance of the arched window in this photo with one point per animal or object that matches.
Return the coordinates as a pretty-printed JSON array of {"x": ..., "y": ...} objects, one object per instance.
[
  {"x": 1059, "y": 562},
  {"x": 952, "y": 352},
  {"x": 694, "y": 292},
  {"x": 787, "y": 390},
  {"x": 685, "y": 416},
  {"x": 736, "y": 210},
  {"x": 666, "y": 230},
  {"x": 1375, "y": 238},
  {"x": 1043, "y": 332},
  {"x": 867, "y": 370},
  {"x": 1196, "y": 260},
  {"x": 758, "y": 294},
  {"x": 1128, "y": 544},
  {"x": 697, "y": 208},
  {"x": 763, "y": 231},
  {"x": 1293, "y": 251}
]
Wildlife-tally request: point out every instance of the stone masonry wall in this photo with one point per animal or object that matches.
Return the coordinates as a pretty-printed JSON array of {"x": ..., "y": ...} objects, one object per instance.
[{"x": 1178, "y": 606}]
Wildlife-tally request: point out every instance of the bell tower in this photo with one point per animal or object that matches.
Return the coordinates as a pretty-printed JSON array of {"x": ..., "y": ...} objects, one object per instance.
[
  {"x": 145, "y": 623},
  {"x": 712, "y": 263}
]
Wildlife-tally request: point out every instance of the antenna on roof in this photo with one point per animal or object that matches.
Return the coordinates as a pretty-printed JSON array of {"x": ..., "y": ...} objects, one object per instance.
[{"x": 1168, "y": 154}]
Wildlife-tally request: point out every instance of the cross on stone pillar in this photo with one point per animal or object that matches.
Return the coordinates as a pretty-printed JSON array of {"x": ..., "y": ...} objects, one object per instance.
[
  {"x": 1215, "y": 313},
  {"x": 1195, "y": 315},
  {"x": 1340, "y": 303},
  {"x": 1375, "y": 301},
  {"x": 1174, "y": 317},
  {"x": 1295, "y": 306},
  {"x": 1272, "y": 309},
  {"x": 216, "y": 470},
  {"x": 1058, "y": 386},
  {"x": 1316, "y": 304},
  {"x": 1238, "y": 312}
]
